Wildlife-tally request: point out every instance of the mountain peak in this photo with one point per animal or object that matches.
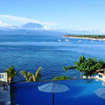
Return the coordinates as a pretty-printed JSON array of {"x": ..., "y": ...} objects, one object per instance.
[{"x": 32, "y": 26}]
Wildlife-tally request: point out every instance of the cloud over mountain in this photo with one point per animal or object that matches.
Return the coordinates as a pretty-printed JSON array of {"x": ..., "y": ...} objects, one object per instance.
[{"x": 15, "y": 21}]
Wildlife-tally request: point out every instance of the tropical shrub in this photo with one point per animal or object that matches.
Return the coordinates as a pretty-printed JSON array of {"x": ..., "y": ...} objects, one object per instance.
[
  {"x": 30, "y": 77},
  {"x": 62, "y": 77}
]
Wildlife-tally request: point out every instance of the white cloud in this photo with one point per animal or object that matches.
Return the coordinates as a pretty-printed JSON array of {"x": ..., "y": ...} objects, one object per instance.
[
  {"x": 8, "y": 20},
  {"x": 16, "y": 19},
  {"x": 3, "y": 24}
]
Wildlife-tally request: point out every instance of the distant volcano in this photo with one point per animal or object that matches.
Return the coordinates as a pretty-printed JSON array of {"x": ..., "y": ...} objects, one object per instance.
[{"x": 32, "y": 26}]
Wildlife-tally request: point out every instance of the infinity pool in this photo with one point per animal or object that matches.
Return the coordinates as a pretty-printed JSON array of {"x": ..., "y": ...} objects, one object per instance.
[{"x": 81, "y": 92}]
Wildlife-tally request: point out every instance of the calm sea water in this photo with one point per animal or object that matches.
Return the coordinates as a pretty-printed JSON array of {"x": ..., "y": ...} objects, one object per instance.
[{"x": 30, "y": 52}]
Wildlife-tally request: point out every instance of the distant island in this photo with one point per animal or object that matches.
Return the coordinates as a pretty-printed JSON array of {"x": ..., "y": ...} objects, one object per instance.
[{"x": 91, "y": 37}]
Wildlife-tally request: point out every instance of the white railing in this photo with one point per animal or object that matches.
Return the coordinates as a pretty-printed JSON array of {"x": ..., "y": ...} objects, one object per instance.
[{"x": 3, "y": 77}]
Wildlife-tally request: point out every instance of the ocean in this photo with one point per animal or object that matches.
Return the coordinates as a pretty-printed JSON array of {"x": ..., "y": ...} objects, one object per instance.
[{"x": 28, "y": 52}]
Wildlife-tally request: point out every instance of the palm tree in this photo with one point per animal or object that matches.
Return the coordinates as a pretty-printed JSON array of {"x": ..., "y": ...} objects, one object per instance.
[
  {"x": 88, "y": 66},
  {"x": 11, "y": 72},
  {"x": 30, "y": 77}
]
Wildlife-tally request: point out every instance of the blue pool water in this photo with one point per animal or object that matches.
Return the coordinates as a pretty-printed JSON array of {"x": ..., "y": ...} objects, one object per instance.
[
  {"x": 81, "y": 92},
  {"x": 28, "y": 52}
]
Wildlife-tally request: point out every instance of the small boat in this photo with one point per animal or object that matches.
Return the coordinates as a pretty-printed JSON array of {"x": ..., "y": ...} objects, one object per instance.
[
  {"x": 59, "y": 40},
  {"x": 67, "y": 40}
]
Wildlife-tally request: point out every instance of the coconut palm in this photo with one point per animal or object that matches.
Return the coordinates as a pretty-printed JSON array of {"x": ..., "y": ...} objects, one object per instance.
[
  {"x": 88, "y": 66},
  {"x": 11, "y": 72},
  {"x": 30, "y": 77}
]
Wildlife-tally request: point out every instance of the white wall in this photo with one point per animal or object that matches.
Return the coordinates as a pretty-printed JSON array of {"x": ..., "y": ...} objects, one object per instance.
[{"x": 3, "y": 77}]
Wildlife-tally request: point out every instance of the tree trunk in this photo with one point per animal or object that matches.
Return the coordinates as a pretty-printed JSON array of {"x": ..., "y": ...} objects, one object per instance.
[{"x": 10, "y": 79}]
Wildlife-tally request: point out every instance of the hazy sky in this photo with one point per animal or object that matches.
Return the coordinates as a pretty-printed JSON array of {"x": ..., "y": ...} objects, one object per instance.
[{"x": 55, "y": 14}]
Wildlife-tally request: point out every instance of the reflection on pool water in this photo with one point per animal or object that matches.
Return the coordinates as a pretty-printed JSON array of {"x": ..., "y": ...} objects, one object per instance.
[{"x": 81, "y": 92}]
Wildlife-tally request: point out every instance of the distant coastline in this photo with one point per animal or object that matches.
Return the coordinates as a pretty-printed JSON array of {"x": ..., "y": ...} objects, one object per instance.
[{"x": 91, "y": 37}]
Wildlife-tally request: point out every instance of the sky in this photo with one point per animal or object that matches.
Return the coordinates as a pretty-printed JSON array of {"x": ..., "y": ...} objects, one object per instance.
[{"x": 55, "y": 14}]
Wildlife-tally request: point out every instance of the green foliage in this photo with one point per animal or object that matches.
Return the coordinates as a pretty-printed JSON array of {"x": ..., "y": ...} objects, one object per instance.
[
  {"x": 30, "y": 77},
  {"x": 82, "y": 59},
  {"x": 11, "y": 72},
  {"x": 89, "y": 66},
  {"x": 69, "y": 67},
  {"x": 62, "y": 77},
  {"x": 87, "y": 36},
  {"x": 37, "y": 74}
]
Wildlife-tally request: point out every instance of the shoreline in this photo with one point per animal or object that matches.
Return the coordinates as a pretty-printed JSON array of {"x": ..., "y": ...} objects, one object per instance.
[{"x": 79, "y": 37}]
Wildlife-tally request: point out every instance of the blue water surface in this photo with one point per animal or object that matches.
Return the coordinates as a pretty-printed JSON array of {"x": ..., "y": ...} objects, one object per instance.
[
  {"x": 81, "y": 92},
  {"x": 28, "y": 52}
]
